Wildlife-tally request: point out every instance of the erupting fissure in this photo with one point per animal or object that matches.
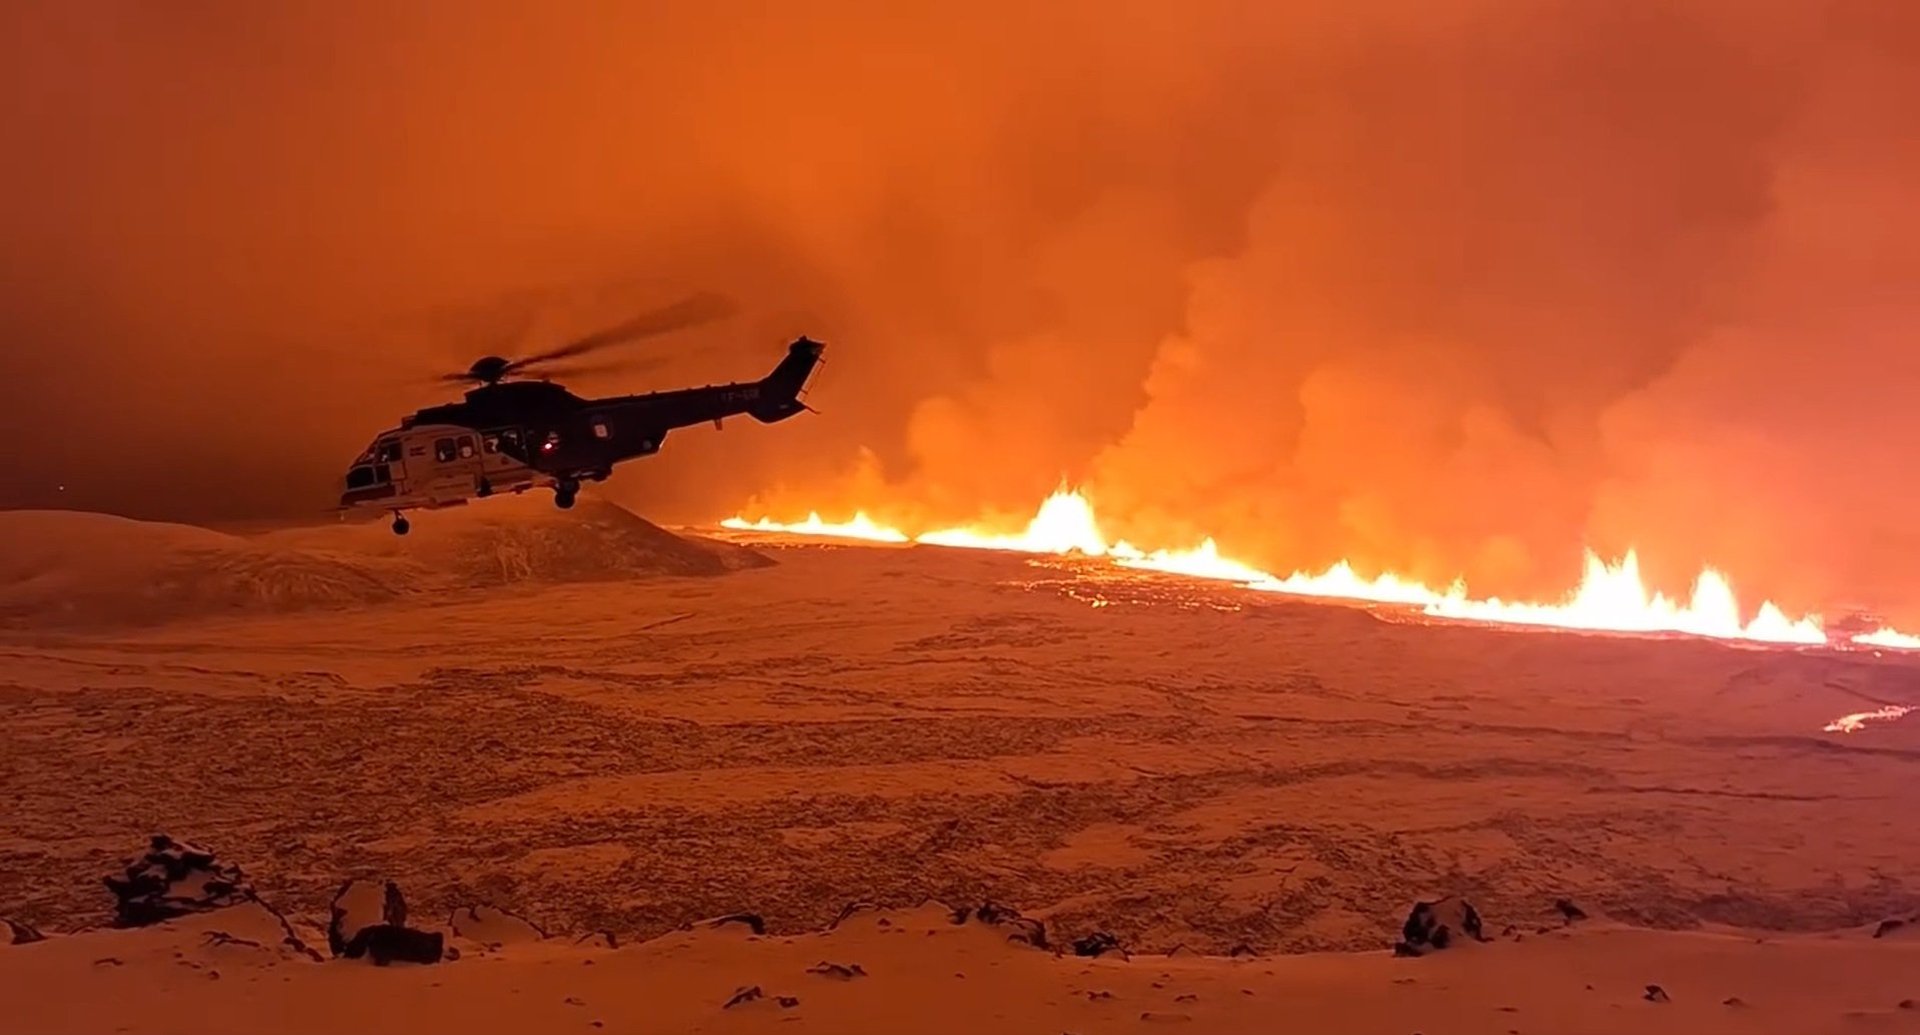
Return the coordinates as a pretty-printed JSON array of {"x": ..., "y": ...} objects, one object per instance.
[{"x": 1611, "y": 597}]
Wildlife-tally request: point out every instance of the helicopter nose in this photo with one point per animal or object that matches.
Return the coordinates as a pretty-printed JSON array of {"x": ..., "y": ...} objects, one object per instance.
[{"x": 362, "y": 485}]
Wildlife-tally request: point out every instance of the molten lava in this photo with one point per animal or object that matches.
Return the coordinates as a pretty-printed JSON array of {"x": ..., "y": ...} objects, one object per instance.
[
  {"x": 1885, "y": 637},
  {"x": 1610, "y": 597},
  {"x": 861, "y": 527}
]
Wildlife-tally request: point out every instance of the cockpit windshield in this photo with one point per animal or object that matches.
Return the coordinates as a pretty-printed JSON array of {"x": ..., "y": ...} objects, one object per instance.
[{"x": 374, "y": 465}]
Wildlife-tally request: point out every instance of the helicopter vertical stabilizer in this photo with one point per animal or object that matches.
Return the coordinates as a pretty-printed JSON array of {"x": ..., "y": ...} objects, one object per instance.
[{"x": 780, "y": 390}]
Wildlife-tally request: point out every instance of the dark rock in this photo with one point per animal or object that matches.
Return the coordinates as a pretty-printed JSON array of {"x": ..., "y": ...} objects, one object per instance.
[
  {"x": 1909, "y": 1004},
  {"x": 173, "y": 879},
  {"x": 743, "y": 995},
  {"x": 362, "y": 924},
  {"x": 393, "y": 906},
  {"x": 1568, "y": 910},
  {"x": 787, "y": 1002},
  {"x": 853, "y": 909},
  {"x": 1656, "y": 994},
  {"x": 1887, "y": 927},
  {"x": 994, "y": 913},
  {"x": 1099, "y": 943},
  {"x": 388, "y": 943},
  {"x": 751, "y": 921},
  {"x": 1437, "y": 925},
  {"x": 1241, "y": 949},
  {"x": 357, "y": 906},
  {"x": 840, "y": 971},
  {"x": 1025, "y": 930},
  {"x": 20, "y": 932},
  {"x": 1028, "y": 931},
  {"x": 1733, "y": 1000},
  {"x": 1101, "y": 994}
]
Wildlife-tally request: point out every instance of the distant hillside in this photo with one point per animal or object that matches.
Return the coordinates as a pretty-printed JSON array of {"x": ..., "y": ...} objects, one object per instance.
[{"x": 68, "y": 568}]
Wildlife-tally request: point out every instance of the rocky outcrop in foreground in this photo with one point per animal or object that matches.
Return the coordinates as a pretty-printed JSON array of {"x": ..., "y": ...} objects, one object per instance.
[
  {"x": 370, "y": 920},
  {"x": 1438, "y": 925},
  {"x": 171, "y": 879}
]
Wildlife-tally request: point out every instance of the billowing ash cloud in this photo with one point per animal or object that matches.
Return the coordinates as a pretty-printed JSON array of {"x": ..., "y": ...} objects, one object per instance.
[{"x": 1452, "y": 288}]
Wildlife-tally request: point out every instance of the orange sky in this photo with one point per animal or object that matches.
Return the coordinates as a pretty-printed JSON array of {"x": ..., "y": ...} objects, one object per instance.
[{"x": 1449, "y": 287}]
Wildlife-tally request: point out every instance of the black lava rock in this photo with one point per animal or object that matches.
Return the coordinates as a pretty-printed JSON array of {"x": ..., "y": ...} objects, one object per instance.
[
  {"x": 19, "y": 932},
  {"x": 172, "y": 879},
  {"x": 369, "y": 921},
  {"x": 1099, "y": 943},
  {"x": 751, "y": 921},
  {"x": 1438, "y": 925},
  {"x": 1025, "y": 930}
]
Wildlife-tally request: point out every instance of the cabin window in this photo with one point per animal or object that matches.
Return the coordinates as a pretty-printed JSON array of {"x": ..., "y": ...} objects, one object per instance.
[
  {"x": 466, "y": 447},
  {"x": 489, "y": 444},
  {"x": 387, "y": 452},
  {"x": 600, "y": 429},
  {"x": 443, "y": 450},
  {"x": 510, "y": 441},
  {"x": 360, "y": 478},
  {"x": 382, "y": 474}
]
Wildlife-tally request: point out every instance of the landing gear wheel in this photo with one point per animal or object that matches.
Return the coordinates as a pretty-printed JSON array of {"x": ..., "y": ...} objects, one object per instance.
[
  {"x": 564, "y": 493},
  {"x": 401, "y": 526}
]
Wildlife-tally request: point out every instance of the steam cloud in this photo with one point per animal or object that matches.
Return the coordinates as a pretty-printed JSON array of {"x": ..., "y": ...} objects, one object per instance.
[{"x": 1451, "y": 288}]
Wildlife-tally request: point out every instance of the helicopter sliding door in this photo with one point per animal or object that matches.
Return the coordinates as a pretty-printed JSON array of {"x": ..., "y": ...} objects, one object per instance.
[{"x": 441, "y": 465}]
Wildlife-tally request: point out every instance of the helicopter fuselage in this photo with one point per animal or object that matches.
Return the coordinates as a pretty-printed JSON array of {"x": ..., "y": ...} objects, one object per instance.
[{"x": 518, "y": 435}]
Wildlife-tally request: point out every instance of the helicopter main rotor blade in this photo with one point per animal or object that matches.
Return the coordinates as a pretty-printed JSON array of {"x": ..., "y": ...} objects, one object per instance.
[
  {"x": 689, "y": 312},
  {"x": 633, "y": 365}
]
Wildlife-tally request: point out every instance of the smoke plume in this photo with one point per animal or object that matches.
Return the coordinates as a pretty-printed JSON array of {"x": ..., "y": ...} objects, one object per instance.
[{"x": 1456, "y": 288}]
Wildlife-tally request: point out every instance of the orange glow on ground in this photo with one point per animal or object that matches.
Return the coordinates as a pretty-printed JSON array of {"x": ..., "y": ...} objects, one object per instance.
[{"x": 1611, "y": 597}]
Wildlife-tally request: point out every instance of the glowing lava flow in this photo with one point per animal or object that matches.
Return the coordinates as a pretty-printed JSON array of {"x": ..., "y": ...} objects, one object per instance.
[
  {"x": 861, "y": 527},
  {"x": 1610, "y": 598},
  {"x": 1885, "y": 637}
]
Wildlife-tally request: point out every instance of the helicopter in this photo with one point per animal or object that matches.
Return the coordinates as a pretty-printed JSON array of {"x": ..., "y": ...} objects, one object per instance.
[{"x": 516, "y": 430}]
